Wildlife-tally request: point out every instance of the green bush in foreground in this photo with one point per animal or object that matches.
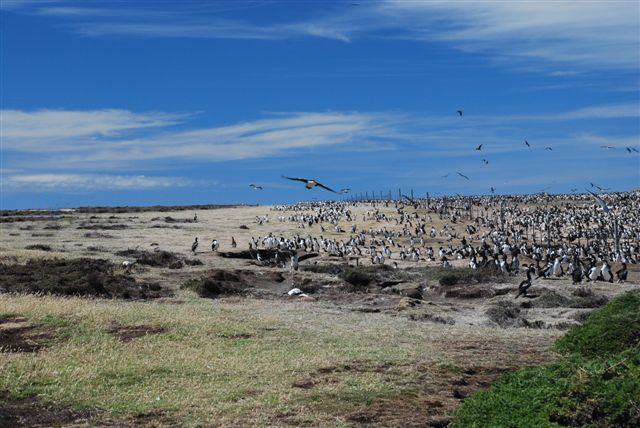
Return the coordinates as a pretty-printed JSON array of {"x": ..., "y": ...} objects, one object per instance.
[
  {"x": 609, "y": 330},
  {"x": 596, "y": 384}
]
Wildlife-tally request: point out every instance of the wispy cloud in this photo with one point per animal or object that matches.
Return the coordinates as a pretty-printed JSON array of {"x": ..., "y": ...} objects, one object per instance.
[
  {"x": 91, "y": 181},
  {"x": 119, "y": 139},
  {"x": 585, "y": 33},
  {"x": 592, "y": 34},
  {"x": 86, "y": 139}
]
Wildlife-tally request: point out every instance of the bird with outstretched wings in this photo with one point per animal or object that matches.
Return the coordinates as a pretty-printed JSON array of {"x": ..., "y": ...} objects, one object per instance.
[
  {"x": 310, "y": 184},
  {"x": 463, "y": 176}
]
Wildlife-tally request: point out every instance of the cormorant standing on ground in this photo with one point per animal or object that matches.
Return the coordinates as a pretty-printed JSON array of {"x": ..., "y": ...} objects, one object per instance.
[{"x": 524, "y": 285}]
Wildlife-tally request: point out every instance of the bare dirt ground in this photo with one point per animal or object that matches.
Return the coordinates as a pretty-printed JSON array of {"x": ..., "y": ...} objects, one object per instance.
[{"x": 484, "y": 329}]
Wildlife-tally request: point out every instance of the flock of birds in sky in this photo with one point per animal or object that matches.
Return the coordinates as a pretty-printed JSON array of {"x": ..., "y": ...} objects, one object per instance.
[{"x": 310, "y": 184}]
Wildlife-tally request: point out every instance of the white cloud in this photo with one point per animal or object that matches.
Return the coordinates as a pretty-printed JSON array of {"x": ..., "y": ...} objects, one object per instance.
[
  {"x": 25, "y": 130},
  {"x": 585, "y": 33},
  {"x": 592, "y": 34},
  {"x": 90, "y": 181},
  {"x": 82, "y": 139},
  {"x": 119, "y": 139}
]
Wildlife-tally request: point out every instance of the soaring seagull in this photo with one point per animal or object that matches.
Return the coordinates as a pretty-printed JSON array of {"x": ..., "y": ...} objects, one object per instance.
[
  {"x": 254, "y": 187},
  {"x": 459, "y": 112},
  {"x": 600, "y": 201},
  {"x": 527, "y": 143},
  {"x": 345, "y": 190},
  {"x": 462, "y": 175},
  {"x": 485, "y": 161},
  {"x": 548, "y": 148},
  {"x": 479, "y": 147},
  {"x": 310, "y": 183}
]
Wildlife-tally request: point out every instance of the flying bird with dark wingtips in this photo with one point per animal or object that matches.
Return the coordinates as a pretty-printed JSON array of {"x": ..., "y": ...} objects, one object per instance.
[
  {"x": 527, "y": 143},
  {"x": 479, "y": 147},
  {"x": 254, "y": 187},
  {"x": 632, "y": 149},
  {"x": 345, "y": 190},
  {"x": 485, "y": 161},
  {"x": 459, "y": 112},
  {"x": 548, "y": 148},
  {"x": 310, "y": 183},
  {"x": 462, "y": 175},
  {"x": 607, "y": 147}
]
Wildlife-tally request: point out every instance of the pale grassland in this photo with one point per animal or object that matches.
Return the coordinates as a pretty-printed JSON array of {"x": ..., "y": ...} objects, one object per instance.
[{"x": 234, "y": 362}]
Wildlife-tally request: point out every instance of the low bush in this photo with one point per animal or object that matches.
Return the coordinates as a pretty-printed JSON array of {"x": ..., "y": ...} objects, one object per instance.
[{"x": 597, "y": 383}]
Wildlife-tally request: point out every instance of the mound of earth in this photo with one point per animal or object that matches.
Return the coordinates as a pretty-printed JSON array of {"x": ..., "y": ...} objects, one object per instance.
[
  {"x": 158, "y": 258},
  {"x": 218, "y": 282},
  {"x": 74, "y": 277}
]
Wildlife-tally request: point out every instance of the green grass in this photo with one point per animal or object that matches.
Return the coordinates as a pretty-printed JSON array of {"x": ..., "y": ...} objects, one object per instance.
[
  {"x": 596, "y": 384},
  {"x": 609, "y": 330}
]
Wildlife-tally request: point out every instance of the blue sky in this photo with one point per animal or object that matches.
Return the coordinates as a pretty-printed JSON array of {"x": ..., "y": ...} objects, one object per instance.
[{"x": 165, "y": 102}]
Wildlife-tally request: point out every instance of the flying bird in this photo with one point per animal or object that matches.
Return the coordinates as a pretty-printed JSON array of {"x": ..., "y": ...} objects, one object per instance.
[
  {"x": 254, "y": 187},
  {"x": 527, "y": 143},
  {"x": 462, "y": 175},
  {"x": 493, "y": 190},
  {"x": 632, "y": 149},
  {"x": 445, "y": 176},
  {"x": 479, "y": 147},
  {"x": 607, "y": 147},
  {"x": 310, "y": 183},
  {"x": 548, "y": 148},
  {"x": 459, "y": 112},
  {"x": 345, "y": 190},
  {"x": 485, "y": 161},
  {"x": 600, "y": 201}
]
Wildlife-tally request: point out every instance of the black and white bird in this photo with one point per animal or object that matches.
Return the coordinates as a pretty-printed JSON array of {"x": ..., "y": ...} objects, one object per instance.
[
  {"x": 548, "y": 148},
  {"x": 486, "y": 162},
  {"x": 254, "y": 187},
  {"x": 479, "y": 147},
  {"x": 233, "y": 242},
  {"x": 345, "y": 190},
  {"x": 607, "y": 147},
  {"x": 215, "y": 245},
  {"x": 310, "y": 183},
  {"x": 459, "y": 112},
  {"x": 194, "y": 245},
  {"x": 462, "y": 175},
  {"x": 527, "y": 143}
]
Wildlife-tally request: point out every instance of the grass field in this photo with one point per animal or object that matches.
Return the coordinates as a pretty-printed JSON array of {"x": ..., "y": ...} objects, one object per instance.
[
  {"x": 351, "y": 355},
  {"x": 251, "y": 362}
]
